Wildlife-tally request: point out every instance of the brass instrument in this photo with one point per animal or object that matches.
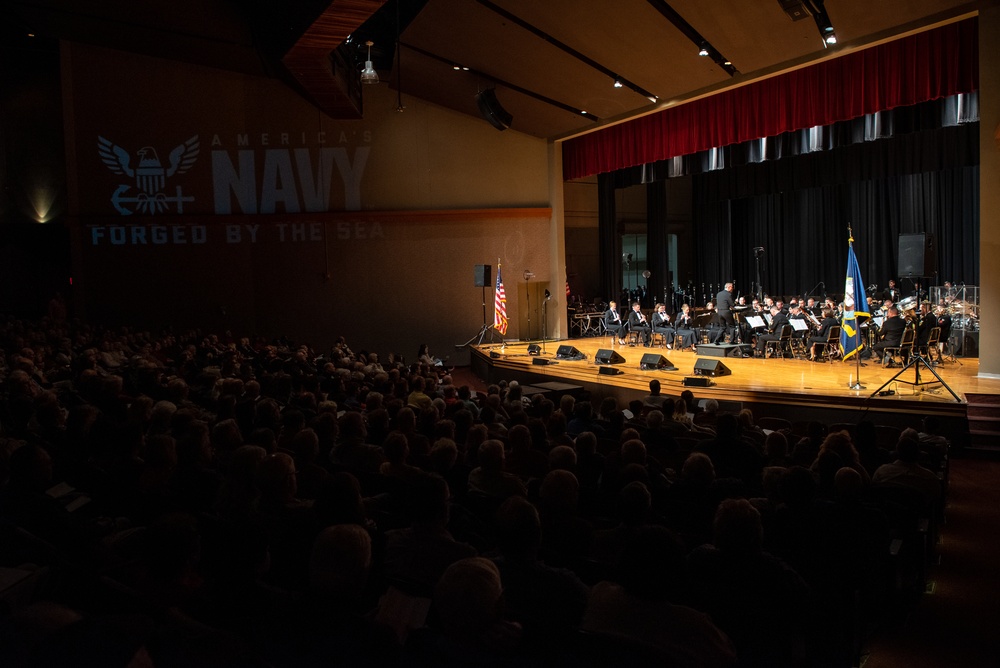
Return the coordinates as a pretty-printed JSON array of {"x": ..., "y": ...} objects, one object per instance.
[{"x": 908, "y": 308}]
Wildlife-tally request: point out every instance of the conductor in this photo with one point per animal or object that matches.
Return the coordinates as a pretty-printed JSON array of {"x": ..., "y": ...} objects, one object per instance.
[{"x": 724, "y": 306}]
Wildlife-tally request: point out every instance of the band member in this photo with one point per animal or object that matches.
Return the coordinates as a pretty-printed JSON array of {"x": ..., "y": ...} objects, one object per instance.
[
  {"x": 685, "y": 328},
  {"x": 795, "y": 312},
  {"x": 944, "y": 322},
  {"x": 778, "y": 320},
  {"x": 716, "y": 328},
  {"x": 926, "y": 321},
  {"x": 812, "y": 308},
  {"x": 724, "y": 304},
  {"x": 613, "y": 321},
  {"x": 822, "y": 334},
  {"x": 891, "y": 334},
  {"x": 638, "y": 323},
  {"x": 892, "y": 293},
  {"x": 661, "y": 324}
]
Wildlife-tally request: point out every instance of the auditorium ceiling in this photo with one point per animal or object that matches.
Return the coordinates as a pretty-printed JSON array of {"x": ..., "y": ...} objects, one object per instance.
[{"x": 549, "y": 61}]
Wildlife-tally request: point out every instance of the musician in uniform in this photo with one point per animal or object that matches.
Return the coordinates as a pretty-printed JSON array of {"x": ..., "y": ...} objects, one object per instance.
[
  {"x": 778, "y": 320},
  {"x": 638, "y": 323},
  {"x": 661, "y": 324},
  {"x": 943, "y": 319},
  {"x": 822, "y": 334},
  {"x": 891, "y": 333},
  {"x": 684, "y": 325},
  {"x": 892, "y": 293},
  {"x": 613, "y": 321},
  {"x": 926, "y": 321}
]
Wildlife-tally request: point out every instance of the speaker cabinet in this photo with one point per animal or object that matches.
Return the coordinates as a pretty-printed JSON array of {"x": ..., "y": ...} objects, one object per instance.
[
  {"x": 495, "y": 355},
  {"x": 569, "y": 353},
  {"x": 609, "y": 371},
  {"x": 651, "y": 361},
  {"x": 534, "y": 349},
  {"x": 707, "y": 367},
  {"x": 917, "y": 255},
  {"x": 491, "y": 109},
  {"x": 605, "y": 356},
  {"x": 691, "y": 381},
  {"x": 481, "y": 273},
  {"x": 540, "y": 361}
]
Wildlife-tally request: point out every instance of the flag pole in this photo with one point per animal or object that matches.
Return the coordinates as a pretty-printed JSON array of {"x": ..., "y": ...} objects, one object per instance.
[{"x": 856, "y": 385}]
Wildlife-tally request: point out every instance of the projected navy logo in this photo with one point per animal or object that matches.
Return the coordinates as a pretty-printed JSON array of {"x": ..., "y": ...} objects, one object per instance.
[{"x": 150, "y": 176}]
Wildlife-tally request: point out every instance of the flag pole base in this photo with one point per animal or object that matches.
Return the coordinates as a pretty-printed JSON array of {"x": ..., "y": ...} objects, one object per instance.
[{"x": 856, "y": 386}]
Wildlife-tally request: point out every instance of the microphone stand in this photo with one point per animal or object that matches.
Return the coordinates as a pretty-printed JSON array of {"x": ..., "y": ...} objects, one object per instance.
[{"x": 814, "y": 288}]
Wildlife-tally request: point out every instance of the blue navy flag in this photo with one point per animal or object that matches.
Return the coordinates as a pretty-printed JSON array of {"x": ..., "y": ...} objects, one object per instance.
[{"x": 855, "y": 306}]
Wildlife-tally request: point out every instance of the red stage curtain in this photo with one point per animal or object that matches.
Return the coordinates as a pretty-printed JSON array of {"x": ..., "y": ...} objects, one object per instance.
[{"x": 926, "y": 66}]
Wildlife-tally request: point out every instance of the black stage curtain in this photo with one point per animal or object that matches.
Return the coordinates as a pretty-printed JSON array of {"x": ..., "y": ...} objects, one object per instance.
[
  {"x": 799, "y": 209},
  {"x": 656, "y": 243},
  {"x": 609, "y": 238}
]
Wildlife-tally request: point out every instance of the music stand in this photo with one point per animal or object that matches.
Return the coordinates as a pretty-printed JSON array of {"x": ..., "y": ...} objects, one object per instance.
[{"x": 915, "y": 362}]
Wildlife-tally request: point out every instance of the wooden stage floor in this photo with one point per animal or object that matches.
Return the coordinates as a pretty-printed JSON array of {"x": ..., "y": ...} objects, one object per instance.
[{"x": 786, "y": 382}]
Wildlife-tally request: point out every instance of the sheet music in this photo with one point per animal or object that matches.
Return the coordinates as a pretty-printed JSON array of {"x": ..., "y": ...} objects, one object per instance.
[
  {"x": 798, "y": 324},
  {"x": 878, "y": 321},
  {"x": 767, "y": 316},
  {"x": 755, "y": 321}
]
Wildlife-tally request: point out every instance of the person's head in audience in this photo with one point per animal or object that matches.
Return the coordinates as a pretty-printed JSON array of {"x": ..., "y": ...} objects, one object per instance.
[
  {"x": 634, "y": 504},
  {"x": 839, "y": 442},
  {"x": 468, "y": 602},
  {"x": 443, "y": 456},
  {"x": 608, "y": 406},
  {"x": 776, "y": 445},
  {"x": 848, "y": 484},
  {"x": 628, "y": 434},
  {"x": 339, "y": 500},
  {"x": 339, "y": 564},
  {"x": 688, "y": 397},
  {"x": 559, "y": 492},
  {"x": 654, "y": 387},
  {"x": 680, "y": 408},
  {"x": 518, "y": 528},
  {"x": 491, "y": 456},
  {"x": 276, "y": 479},
  {"x": 654, "y": 420},
  {"x": 797, "y": 487},
  {"x": 651, "y": 565},
  {"x": 698, "y": 470},
  {"x": 586, "y": 444},
  {"x": 567, "y": 404},
  {"x": 737, "y": 528},
  {"x": 396, "y": 449},
  {"x": 428, "y": 501},
  {"x": 406, "y": 420},
  {"x": 562, "y": 457},
  {"x": 633, "y": 452},
  {"x": 907, "y": 449}
]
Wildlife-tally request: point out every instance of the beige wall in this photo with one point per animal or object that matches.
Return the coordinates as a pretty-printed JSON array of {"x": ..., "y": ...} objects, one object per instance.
[{"x": 387, "y": 261}]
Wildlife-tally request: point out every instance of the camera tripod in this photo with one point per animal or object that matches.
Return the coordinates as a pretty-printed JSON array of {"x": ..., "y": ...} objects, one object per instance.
[{"x": 915, "y": 362}]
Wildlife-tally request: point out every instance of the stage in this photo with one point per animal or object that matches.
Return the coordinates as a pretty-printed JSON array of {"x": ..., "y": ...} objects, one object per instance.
[{"x": 791, "y": 388}]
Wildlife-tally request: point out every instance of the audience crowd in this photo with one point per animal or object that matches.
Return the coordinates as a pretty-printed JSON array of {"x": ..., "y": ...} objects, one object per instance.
[{"x": 188, "y": 499}]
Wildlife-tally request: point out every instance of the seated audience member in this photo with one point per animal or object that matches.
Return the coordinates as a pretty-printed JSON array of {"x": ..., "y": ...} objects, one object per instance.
[
  {"x": 331, "y": 626},
  {"x": 418, "y": 555},
  {"x": 523, "y": 460},
  {"x": 490, "y": 478},
  {"x": 548, "y": 602},
  {"x": 731, "y": 456},
  {"x": 396, "y": 464},
  {"x": 906, "y": 471},
  {"x": 566, "y": 535},
  {"x": 654, "y": 398},
  {"x": 352, "y": 450},
  {"x": 639, "y": 607},
  {"x": 471, "y": 628},
  {"x": 755, "y": 598}
]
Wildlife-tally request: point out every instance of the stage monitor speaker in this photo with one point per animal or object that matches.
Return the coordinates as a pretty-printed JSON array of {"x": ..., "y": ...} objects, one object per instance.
[
  {"x": 569, "y": 353},
  {"x": 652, "y": 361},
  {"x": 481, "y": 272},
  {"x": 491, "y": 109},
  {"x": 917, "y": 255},
  {"x": 697, "y": 382},
  {"x": 606, "y": 356},
  {"x": 541, "y": 361},
  {"x": 534, "y": 349},
  {"x": 494, "y": 354},
  {"x": 706, "y": 367},
  {"x": 609, "y": 371}
]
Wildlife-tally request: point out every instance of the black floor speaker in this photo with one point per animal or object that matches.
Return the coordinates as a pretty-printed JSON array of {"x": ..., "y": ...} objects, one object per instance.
[
  {"x": 534, "y": 349},
  {"x": 569, "y": 353},
  {"x": 706, "y": 367},
  {"x": 481, "y": 275},
  {"x": 651, "y": 361},
  {"x": 609, "y": 371},
  {"x": 607, "y": 356}
]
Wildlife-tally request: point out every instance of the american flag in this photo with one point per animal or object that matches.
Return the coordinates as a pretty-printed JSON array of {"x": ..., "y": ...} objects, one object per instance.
[{"x": 500, "y": 306}]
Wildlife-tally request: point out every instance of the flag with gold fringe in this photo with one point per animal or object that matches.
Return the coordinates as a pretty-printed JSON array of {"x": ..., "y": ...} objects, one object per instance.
[{"x": 855, "y": 306}]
